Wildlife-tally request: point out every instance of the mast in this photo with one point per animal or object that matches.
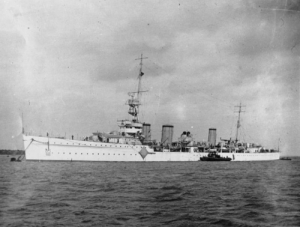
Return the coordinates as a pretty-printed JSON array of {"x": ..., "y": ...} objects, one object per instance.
[
  {"x": 134, "y": 102},
  {"x": 23, "y": 130},
  {"x": 140, "y": 76},
  {"x": 238, "y": 125}
]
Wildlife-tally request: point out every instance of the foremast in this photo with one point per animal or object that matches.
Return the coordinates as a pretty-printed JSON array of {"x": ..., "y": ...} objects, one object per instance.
[
  {"x": 133, "y": 127},
  {"x": 134, "y": 102}
]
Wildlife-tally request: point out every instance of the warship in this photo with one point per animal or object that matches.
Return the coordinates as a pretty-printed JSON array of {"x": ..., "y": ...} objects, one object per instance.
[{"x": 132, "y": 143}]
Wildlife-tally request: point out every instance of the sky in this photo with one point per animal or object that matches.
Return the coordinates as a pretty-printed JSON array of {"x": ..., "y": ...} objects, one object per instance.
[{"x": 66, "y": 68}]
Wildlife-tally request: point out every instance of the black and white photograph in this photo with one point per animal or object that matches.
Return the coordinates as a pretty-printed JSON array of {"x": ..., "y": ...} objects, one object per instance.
[{"x": 150, "y": 113}]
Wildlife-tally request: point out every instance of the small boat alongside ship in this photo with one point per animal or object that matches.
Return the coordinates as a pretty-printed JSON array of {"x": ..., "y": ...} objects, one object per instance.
[
  {"x": 213, "y": 156},
  {"x": 13, "y": 159},
  {"x": 132, "y": 143}
]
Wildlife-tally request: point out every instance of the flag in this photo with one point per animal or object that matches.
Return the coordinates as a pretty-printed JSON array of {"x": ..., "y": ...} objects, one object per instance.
[{"x": 142, "y": 73}]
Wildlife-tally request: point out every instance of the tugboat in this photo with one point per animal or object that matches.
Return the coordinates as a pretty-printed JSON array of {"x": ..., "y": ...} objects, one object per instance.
[{"x": 214, "y": 156}]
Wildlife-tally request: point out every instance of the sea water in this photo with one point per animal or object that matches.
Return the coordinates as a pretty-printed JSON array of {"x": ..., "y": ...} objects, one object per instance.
[{"x": 265, "y": 193}]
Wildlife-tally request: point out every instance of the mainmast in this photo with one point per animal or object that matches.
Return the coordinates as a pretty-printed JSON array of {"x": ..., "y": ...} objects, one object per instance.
[
  {"x": 238, "y": 125},
  {"x": 23, "y": 130},
  {"x": 134, "y": 102}
]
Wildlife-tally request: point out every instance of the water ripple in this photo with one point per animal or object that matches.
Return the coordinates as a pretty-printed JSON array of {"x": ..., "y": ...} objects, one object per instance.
[{"x": 150, "y": 194}]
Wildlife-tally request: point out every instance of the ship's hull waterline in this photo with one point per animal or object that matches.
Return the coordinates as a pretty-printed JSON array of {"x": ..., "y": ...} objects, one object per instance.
[{"x": 52, "y": 149}]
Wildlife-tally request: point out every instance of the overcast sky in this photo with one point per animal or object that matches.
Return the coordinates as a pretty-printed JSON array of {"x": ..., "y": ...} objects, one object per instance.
[{"x": 68, "y": 66}]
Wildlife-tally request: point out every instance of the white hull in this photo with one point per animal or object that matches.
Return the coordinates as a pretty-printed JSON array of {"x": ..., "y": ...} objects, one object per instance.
[{"x": 52, "y": 149}]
